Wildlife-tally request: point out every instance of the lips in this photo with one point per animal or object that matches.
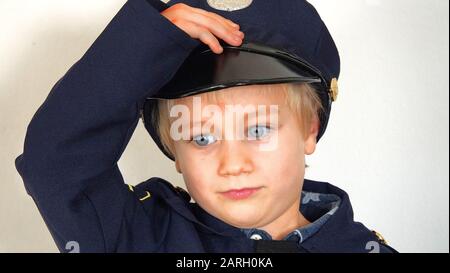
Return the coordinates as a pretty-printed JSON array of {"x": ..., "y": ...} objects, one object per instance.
[{"x": 239, "y": 194}]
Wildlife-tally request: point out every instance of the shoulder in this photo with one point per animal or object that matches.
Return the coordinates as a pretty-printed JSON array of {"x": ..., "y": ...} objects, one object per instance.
[
  {"x": 382, "y": 244},
  {"x": 341, "y": 233}
]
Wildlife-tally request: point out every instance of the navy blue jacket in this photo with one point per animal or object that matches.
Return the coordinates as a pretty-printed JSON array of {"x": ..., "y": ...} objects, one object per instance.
[{"x": 75, "y": 139}]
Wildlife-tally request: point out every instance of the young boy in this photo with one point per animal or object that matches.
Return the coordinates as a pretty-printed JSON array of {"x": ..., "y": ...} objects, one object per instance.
[{"x": 237, "y": 117}]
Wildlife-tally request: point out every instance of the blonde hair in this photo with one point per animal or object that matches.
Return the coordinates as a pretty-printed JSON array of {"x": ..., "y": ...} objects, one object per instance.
[{"x": 301, "y": 99}]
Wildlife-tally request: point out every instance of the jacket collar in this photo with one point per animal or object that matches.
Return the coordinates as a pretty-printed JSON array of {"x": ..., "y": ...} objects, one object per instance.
[
  {"x": 339, "y": 234},
  {"x": 205, "y": 221}
]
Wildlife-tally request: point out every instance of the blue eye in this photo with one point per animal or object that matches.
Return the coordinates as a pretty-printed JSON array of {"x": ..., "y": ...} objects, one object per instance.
[
  {"x": 258, "y": 131},
  {"x": 204, "y": 140}
]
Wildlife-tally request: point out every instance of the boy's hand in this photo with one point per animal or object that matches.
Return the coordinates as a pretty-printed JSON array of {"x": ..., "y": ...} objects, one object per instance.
[{"x": 205, "y": 26}]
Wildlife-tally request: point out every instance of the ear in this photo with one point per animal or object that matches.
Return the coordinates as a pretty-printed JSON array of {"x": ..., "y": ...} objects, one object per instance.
[
  {"x": 177, "y": 166},
  {"x": 310, "y": 141}
]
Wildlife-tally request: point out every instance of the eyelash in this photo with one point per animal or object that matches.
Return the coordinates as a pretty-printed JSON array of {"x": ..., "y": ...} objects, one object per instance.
[{"x": 269, "y": 128}]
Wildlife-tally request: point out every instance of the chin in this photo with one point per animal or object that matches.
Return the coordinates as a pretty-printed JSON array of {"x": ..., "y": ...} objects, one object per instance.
[
  {"x": 242, "y": 220},
  {"x": 241, "y": 224}
]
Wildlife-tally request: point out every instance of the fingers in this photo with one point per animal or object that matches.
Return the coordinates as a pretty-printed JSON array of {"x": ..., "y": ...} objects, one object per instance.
[
  {"x": 205, "y": 37},
  {"x": 206, "y": 26},
  {"x": 211, "y": 41},
  {"x": 217, "y": 17},
  {"x": 220, "y": 29}
]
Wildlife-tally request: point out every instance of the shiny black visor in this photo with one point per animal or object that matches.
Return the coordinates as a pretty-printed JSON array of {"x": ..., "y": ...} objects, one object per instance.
[{"x": 205, "y": 71}]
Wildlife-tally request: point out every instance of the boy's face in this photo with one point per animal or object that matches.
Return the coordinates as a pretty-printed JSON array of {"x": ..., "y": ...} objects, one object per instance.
[{"x": 269, "y": 166}]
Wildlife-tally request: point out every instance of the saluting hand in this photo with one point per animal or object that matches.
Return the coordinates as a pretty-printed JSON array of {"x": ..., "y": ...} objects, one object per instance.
[{"x": 205, "y": 26}]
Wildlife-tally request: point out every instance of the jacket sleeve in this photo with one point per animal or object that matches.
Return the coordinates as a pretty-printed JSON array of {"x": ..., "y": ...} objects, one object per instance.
[{"x": 76, "y": 137}]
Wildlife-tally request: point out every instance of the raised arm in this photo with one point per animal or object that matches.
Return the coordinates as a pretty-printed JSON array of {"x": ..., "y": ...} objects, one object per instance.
[{"x": 75, "y": 139}]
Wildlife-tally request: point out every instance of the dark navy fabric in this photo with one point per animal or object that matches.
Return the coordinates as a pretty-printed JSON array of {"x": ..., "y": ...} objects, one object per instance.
[
  {"x": 76, "y": 137},
  {"x": 294, "y": 26}
]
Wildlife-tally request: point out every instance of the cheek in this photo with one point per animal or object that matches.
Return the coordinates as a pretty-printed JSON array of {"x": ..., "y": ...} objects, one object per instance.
[
  {"x": 290, "y": 147},
  {"x": 286, "y": 163},
  {"x": 288, "y": 168},
  {"x": 198, "y": 174}
]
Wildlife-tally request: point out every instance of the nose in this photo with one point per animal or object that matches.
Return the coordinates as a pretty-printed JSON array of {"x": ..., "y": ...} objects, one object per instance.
[{"x": 235, "y": 159}]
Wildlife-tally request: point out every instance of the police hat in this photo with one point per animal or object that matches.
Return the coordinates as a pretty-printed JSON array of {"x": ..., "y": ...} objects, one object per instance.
[{"x": 285, "y": 42}]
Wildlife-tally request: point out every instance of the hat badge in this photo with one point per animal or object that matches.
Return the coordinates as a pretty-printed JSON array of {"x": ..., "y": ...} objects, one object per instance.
[{"x": 229, "y": 5}]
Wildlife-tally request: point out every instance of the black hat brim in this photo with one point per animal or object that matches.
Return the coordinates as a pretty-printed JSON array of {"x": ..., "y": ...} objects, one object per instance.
[{"x": 205, "y": 71}]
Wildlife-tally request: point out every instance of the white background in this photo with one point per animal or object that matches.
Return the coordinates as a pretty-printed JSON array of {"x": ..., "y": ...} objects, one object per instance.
[{"x": 386, "y": 144}]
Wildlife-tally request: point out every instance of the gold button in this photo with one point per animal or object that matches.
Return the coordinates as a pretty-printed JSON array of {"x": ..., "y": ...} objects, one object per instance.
[{"x": 334, "y": 89}]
